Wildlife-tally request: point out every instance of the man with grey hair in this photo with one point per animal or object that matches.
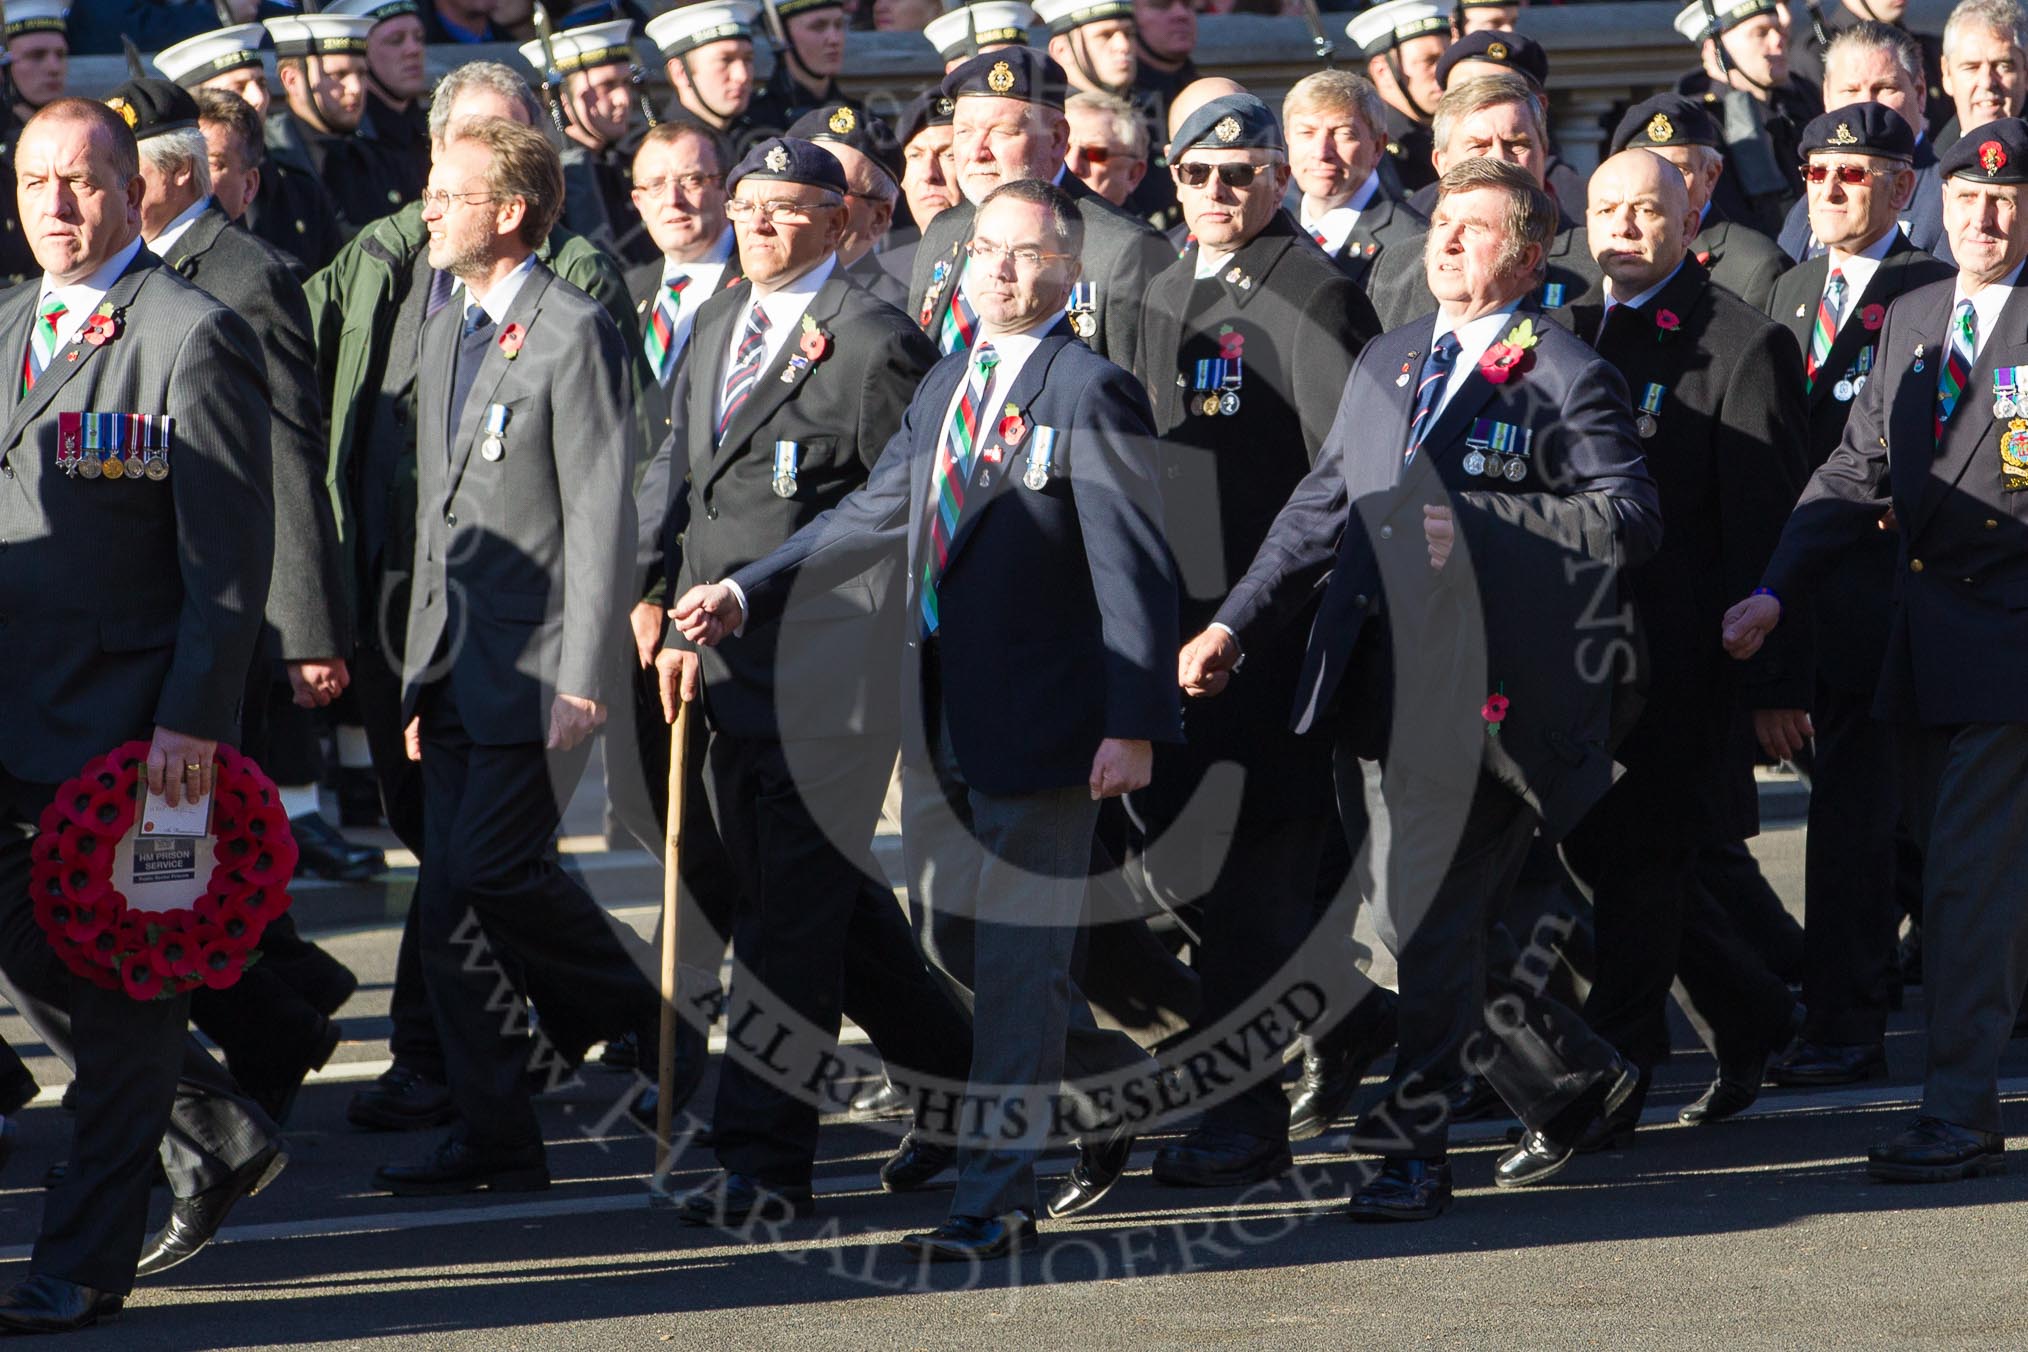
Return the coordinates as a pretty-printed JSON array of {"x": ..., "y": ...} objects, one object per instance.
[
  {"x": 366, "y": 308},
  {"x": 1815, "y": 29},
  {"x": 1108, "y": 144},
  {"x": 1433, "y": 662},
  {"x": 1985, "y": 65},
  {"x": 1336, "y": 125},
  {"x": 1497, "y": 117}
]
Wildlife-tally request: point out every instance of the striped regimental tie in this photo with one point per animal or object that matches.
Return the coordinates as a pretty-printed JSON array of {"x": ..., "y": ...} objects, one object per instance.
[
  {"x": 659, "y": 338},
  {"x": 952, "y": 471},
  {"x": 1957, "y": 365},
  {"x": 1436, "y": 368},
  {"x": 961, "y": 321},
  {"x": 746, "y": 367},
  {"x": 42, "y": 341},
  {"x": 1830, "y": 314}
]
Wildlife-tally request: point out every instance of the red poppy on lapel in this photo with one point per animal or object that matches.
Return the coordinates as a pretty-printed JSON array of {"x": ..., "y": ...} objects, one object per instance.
[
  {"x": 511, "y": 339},
  {"x": 101, "y": 329}
]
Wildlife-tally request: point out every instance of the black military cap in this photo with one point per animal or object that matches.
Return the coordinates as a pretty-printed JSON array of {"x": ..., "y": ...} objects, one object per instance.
[
  {"x": 784, "y": 159},
  {"x": 1667, "y": 120},
  {"x": 1994, "y": 153},
  {"x": 1229, "y": 122},
  {"x": 151, "y": 107},
  {"x": 842, "y": 124},
  {"x": 1860, "y": 129},
  {"x": 932, "y": 108},
  {"x": 1010, "y": 73},
  {"x": 1524, "y": 56}
]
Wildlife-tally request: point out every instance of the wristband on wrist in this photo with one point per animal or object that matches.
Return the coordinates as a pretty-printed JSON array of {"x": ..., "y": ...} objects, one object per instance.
[{"x": 1767, "y": 591}]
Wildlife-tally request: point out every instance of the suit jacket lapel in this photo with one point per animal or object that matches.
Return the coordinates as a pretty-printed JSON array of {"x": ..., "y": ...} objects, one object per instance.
[
  {"x": 1853, "y": 336},
  {"x": 781, "y": 378},
  {"x": 1161, "y": 337},
  {"x": 1810, "y": 277},
  {"x": 1909, "y": 422},
  {"x": 16, "y": 312},
  {"x": 1972, "y": 425},
  {"x": 706, "y": 356},
  {"x": 492, "y": 369},
  {"x": 75, "y": 356},
  {"x": 198, "y": 239}
]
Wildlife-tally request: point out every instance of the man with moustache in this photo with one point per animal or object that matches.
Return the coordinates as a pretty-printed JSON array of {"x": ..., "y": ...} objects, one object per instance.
[
  {"x": 707, "y": 50},
  {"x": 1246, "y": 340},
  {"x": 1008, "y": 124},
  {"x": 1036, "y": 579},
  {"x": 1334, "y": 121},
  {"x": 1744, "y": 78},
  {"x": 396, "y": 81},
  {"x": 1936, "y": 447},
  {"x": 1402, "y": 41},
  {"x": 1836, "y": 306},
  {"x": 596, "y": 101}
]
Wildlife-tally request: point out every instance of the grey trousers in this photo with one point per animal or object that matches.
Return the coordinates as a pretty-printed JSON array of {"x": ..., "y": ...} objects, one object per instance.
[
  {"x": 996, "y": 893},
  {"x": 1970, "y": 814}
]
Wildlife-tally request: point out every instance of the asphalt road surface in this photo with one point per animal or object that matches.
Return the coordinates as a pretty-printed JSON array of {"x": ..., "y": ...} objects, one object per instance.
[{"x": 1758, "y": 1233}]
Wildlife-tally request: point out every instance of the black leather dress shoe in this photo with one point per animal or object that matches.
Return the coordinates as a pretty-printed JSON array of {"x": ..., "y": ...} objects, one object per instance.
[
  {"x": 1404, "y": 1190},
  {"x": 882, "y": 1100},
  {"x": 1472, "y": 1098},
  {"x": 1936, "y": 1151},
  {"x": 194, "y": 1220},
  {"x": 1738, "y": 1083},
  {"x": 322, "y": 853},
  {"x": 1337, "y": 1062},
  {"x": 1211, "y": 1157},
  {"x": 727, "y": 1199},
  {"x": 974, "y": 1239},
  {"x": 276, "y": 1091},
  {"x": 401, "y": 1100},
  {"x": 1808, "y": 1063},
  {"x": 1535, "y": 1159},
  {"x": 1092, "y": 1174},
  {"x": 318, "y": 977},
  {"x": 458, "y": 1166},
  {"x": 46, "y": 1304},
  {"x": 916, "y": 1163}
]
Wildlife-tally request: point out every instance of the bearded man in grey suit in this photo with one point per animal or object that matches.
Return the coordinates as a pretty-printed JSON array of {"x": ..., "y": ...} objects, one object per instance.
[
  {"x": 142, "y": 602},
  {"x": 525, "y": 457}
]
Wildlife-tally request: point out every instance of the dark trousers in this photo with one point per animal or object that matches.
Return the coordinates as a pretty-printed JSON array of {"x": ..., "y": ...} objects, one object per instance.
[
  {"x": 1731, "y": 876},
  {"x": 1850, "y": 976},
  {"x": 144, "y": 1085},
  {"x": 377, "y": 685},
  {"x": 1971, "y": 819},
  {"x": 489, "y": 855},
  {"x": 1470, "y": 1001},
  {"x": 797, "y": 820}
]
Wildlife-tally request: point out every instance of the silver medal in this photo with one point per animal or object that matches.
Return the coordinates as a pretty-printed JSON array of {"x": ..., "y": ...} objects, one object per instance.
[
  {"x": 1475, "y": 462},
  {"x": 2005, "y": 407},
  {"x": 1036, "y": 478},
  {"x": 1493, "y": 465},
  {"x": 1228, "y": 403},
  {"x": 1516, "y": 469},
  {"x": 492, "y": 448},
  {"x": 785, "y": 486},
  {"x": 1842, "y": 392},
  {"x": 1646, "y": 425}
]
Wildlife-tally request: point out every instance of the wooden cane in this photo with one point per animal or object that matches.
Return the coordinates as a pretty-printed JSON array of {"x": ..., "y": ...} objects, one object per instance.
[{"x": 672, "y": 851}]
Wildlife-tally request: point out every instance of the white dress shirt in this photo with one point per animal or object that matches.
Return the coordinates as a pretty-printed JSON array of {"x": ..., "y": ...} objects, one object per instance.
[
  {"x": 1857, "y": 270},
  {"x": 497, "y": 301},
  {"x": 1340, "y": 221},
  {"x": 1473, "y": 340},
  {"x": 784, "y": 308},
  {"x": 170, "y": 233},
  {"x": 704, "y": 276},
  {"x": 81, "y": 298}
]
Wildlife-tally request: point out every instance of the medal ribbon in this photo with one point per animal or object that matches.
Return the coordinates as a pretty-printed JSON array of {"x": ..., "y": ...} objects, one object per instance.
[
  {"x": 961, "y": 321},
  {"x": 948, "y": 477}
]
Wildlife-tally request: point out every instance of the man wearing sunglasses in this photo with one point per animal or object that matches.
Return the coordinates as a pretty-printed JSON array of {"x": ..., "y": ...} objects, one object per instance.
[
  {"x": 796, "y": 377},
  {"x": 1008, "y": 125},
  {"x": 1835, "y": 304},
  {"x": 1108, "y": 145},
  {"x": 1247, "y": 340}
]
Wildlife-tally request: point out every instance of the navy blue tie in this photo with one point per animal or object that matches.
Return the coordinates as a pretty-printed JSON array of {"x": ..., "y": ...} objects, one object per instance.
[
  {"x": 1436, "y": 369},
  {"x": 472, "y": 343}
]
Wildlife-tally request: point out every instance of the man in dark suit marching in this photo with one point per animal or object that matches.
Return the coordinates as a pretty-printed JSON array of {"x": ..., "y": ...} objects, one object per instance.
[
  {"x": 1938, "y": 445},
  {"x": 1040, "y": 598},
  {"x": 1246, "y": 341},
  {"x": 797, "y": 379},
  {"x": 1008, "y": 125},
  {"x": 524, "y": 530},
  {"x": 1512, "y": 448},
  {"x": 164, "y": 653},
  {"x": 1719, "y": 412},
  {"x": 1836, "y": 305},
  {"x": 1335, "y": 123}
]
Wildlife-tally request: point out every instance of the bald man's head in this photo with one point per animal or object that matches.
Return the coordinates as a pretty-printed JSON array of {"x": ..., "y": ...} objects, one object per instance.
[
  {"x": 1196, "y": 94},
  {"x": 1639, "y": 219}
]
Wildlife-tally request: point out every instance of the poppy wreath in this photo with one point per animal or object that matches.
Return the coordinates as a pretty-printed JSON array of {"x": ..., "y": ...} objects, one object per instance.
[{"x": 157, "y": 955}]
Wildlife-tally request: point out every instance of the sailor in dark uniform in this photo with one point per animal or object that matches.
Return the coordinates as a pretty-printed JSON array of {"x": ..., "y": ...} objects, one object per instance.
[
  {"x": 36, "y": 33},
  {"x": 594, "y": 105},
  {"x": 1402, "y": 41},
  {"x": 962, "y": 33},
  {"x": 322, "y": 62},
  {"x": 397, "y": 81},
  {"x": 806, "y": 70},
  {"x": 707, "y": 51},
  {"x": 1759, "y": 106}
]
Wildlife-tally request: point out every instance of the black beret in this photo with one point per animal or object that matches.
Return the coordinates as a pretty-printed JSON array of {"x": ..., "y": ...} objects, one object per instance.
[
  {"x": 930, "y": 108},
  {"x": 1229, "y": 122},
  {"x": 1522, "y": 55},
  {"x": 1667, "y": 120},
  {"x": 848, "y": 126},
  {"x": 151, "y": 107},
  {"x": 1994, "y": 153},
  {"x": 782, "y": 159},
  {"x": 1860, "y": 129},
  {"x": 1010, "y": 73}
]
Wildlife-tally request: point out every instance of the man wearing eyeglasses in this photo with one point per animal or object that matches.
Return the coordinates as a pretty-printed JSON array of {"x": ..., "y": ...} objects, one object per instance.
[
  {"x": 1247, "y": 340},
  {"x": 795, "y": 379},
  {"x": 1021, "y": 501},
  {"x": 1009, "y": 125},
  {"x": 1835, "y": 304}
]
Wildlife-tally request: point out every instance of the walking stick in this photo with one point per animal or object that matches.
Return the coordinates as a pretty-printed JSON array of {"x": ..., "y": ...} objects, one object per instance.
[{"x": 672, "y": 911}]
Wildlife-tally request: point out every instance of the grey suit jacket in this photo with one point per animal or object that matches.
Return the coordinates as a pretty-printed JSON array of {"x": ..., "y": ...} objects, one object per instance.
[
  {"x": 522, "y": 563},
  {"x": 306, "y": 601},
  {"x": 130, "y": 605}
]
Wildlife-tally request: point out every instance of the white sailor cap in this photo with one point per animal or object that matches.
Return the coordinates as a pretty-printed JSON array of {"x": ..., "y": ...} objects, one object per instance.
[
  {"x": 320, "y": 35},
  {"x": 380, "y": 11},
  {"x": 689, "y": 27},
  {"x": 990, "y": 24},
  {"x": 1061, "y": 16},
  {"x": 1385, "y": 27},
  {"x": 1694, "y": 22},
  {"x": 595, "y": 44},
  {"x": 194, "y": 60},
  {"x": 36, "y": 16}
]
